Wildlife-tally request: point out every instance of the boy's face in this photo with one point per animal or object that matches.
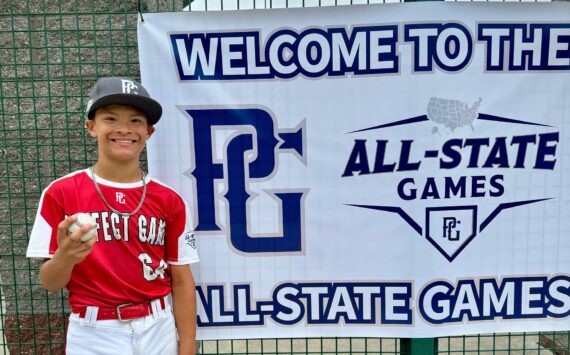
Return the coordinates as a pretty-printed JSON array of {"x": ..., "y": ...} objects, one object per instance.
[{"x": 121, "y": 132}]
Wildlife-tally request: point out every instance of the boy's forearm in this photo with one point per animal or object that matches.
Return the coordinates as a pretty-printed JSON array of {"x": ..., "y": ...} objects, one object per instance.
[
  {"x": 185, "y": 315},
  {"x": 184, "y": 304},
  {"x": 55, "y": 274}
]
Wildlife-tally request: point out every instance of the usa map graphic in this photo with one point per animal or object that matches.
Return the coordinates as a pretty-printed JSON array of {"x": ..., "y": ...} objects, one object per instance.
[{"x": 452, "y": 113}]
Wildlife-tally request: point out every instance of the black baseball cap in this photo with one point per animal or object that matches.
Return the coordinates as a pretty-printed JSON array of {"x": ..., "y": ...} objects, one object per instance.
[{"x": 123, "y": 91}]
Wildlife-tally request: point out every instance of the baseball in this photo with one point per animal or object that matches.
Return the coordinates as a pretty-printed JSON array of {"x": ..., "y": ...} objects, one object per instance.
[{"x": 83, "y": 219}]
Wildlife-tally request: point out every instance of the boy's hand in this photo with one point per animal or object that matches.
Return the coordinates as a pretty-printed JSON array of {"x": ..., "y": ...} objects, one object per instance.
[{"x": 70, "y": 247}]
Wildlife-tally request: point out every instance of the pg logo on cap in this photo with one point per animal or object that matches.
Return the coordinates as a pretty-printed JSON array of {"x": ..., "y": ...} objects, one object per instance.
[{"x": 128, "y": 86}]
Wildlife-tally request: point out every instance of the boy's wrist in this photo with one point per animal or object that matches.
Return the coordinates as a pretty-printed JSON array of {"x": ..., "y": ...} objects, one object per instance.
[
  {"x": 186, "y": 347},
  {"x": 62, "y": 262}
]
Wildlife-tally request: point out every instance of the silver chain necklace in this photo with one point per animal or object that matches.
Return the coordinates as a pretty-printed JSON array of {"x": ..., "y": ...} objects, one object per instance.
[{"x": 125, "y": 214}]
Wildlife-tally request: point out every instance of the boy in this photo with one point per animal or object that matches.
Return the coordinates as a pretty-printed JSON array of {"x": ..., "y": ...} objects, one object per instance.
[{"x": 131, "y": 290}]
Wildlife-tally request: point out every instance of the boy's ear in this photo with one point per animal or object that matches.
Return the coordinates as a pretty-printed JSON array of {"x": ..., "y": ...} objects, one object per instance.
[
  {"x": 89, "y": 125},
  {"x": 150, "y": 130}
]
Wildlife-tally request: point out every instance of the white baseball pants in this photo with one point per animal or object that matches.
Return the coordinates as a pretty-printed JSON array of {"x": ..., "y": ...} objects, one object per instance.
[{"x": 151, "y": 335}]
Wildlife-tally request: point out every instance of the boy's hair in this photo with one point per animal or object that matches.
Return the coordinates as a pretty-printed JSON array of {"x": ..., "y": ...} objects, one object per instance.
[{"x": 123, "y": 91}]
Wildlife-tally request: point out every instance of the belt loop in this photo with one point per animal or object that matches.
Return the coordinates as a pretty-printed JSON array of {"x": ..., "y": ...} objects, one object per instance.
[
  {"x": 91, "y": 315},
  {"x": 156, "y": 308}
]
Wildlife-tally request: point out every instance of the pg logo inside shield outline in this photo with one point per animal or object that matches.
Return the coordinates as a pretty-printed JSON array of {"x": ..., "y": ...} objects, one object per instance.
[{"x": 450, "y": 229}]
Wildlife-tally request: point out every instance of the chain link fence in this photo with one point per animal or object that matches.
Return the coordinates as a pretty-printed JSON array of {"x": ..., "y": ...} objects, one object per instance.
[{"x": 51, "y": 53}]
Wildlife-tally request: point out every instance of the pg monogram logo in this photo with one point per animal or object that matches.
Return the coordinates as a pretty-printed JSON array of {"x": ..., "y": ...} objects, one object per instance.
[{"x": 250, "y": 155}]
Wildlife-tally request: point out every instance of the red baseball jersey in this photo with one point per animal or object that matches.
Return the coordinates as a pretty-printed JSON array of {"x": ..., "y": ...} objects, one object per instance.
[{"x": 129, "y": 262}]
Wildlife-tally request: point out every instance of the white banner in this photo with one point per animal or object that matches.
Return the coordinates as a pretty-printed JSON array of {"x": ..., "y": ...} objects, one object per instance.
[{"x": 377, "y": 171}]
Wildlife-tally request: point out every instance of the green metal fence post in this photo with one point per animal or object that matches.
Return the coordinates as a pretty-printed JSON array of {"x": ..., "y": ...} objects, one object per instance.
[
  {"x": 420, "y": 346},
  {"x": 425, "y": 346}
]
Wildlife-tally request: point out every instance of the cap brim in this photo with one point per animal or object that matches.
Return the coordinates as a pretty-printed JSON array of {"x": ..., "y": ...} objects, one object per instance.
[{"x": 150, "y": 107}]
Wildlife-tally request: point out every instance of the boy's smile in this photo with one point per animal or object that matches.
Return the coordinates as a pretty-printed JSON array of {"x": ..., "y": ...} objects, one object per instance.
[
  {"x": 123, "y": 142},
  {"x": 121, "y": 132}
]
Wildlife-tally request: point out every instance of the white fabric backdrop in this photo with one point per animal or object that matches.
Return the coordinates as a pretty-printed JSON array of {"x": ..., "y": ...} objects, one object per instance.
[{"x": 356, "y": 253}]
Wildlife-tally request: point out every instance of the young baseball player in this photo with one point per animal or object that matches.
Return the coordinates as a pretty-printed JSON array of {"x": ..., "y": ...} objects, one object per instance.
[{"x": 131, "y": 290}]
